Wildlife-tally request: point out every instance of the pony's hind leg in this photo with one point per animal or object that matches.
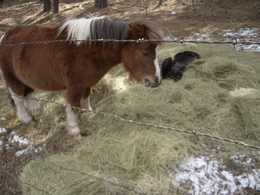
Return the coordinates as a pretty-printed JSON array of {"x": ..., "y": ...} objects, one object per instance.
[
  {"x": 22, "y": 114},
  {"x": 20, "y": 92},
  {"x": 33, "y": 105}
]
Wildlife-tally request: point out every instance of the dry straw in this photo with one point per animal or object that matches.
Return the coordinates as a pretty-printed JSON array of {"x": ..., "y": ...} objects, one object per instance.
[{"x": 219, "y": 95}]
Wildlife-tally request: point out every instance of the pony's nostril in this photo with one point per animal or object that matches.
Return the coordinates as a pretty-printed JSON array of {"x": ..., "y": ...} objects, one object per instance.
[
  {"x": 146, "y": 81},
  {"x": 157, "y": 80},
  {"x": 152, "y": 82}
]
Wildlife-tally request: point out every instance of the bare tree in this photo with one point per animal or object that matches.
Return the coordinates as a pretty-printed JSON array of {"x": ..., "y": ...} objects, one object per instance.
[
  {"x": 55, "y": 6},
  {"x": 159, "y": 4},
  {"x": 46, "y": 5},
  {"x": 100, "y": 4},
  {"x": 194, "y": 6}
]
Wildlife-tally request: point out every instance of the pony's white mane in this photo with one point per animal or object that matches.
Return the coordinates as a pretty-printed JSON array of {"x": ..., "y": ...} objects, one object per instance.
[
  {"x": 79, "y": 29},
  {"x": 102, "y": 27}
]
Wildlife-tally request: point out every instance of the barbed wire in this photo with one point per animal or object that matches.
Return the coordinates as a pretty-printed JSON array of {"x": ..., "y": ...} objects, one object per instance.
[
  {"x": 28, "y": 184},
  {"x": 92, "y": 176},
  {"x": 235, "y": 41},
  {"x": 161, "y": 127},
  {"x": 31, "y": 151},
  {"x": 71, "y": 170}
]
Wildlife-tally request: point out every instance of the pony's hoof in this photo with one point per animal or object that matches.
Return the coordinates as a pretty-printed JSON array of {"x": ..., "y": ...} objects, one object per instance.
[
  {"x": 77, "y": 137},
  {"x": 90, "y": 109},
  {"x": 36, "y": 118},
  {"x": 32, "y": 123},
  {"x": 36, "y": 112},
  {"x": 25, "y": 118}
]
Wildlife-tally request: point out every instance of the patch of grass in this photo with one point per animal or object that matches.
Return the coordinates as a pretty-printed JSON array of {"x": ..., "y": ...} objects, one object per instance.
[
  {"x": 17, "y": 20},
  {"x": 48, "y": 17}
]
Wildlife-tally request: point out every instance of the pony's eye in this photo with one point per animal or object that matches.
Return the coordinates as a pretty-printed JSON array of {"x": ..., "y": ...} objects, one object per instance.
[{"x": 145, "y": 53}]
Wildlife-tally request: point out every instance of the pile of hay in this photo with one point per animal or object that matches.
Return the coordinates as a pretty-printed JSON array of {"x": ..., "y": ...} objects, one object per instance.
[{"x": 219, "y": 94}]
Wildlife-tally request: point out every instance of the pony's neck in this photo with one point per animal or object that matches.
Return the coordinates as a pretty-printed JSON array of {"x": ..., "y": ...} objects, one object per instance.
[
  {"x": 104, "y": 56},
  {"x": 111, "y": 55}
]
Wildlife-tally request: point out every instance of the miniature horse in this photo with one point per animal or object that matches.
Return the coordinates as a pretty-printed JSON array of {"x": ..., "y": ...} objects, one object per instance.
[
  {"x": 75, "y": 66},
  {"x": 174, "y": 68}
]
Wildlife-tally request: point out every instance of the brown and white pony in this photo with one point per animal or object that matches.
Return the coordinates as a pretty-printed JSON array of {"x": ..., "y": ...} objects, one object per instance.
[{"x": 75, "y": 66}]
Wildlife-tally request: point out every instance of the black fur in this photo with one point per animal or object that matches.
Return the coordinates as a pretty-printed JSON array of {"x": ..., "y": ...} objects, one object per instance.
[{"x": 174, "y": 69}]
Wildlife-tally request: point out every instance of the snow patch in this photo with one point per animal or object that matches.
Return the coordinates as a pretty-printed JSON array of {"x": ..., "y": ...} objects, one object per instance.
[
  {"x": 2, "y": 130},
  {"x": 246, "y": 35},
  {"x": 24, "y": 144},
  {"x": 242, "y": 35},
  {"x": 206, "y": 175}
]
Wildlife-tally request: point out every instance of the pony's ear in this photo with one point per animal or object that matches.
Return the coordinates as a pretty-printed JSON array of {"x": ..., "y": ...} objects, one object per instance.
[{"x": 137, "y": 31}]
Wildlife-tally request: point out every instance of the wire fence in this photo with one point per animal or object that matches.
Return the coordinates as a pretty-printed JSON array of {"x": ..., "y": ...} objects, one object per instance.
[
  {"x": 233, "y": 42},
  {"x": 25, "y": 183},
  {"x": 123, "y": 187},
  {"x": 156, "y": 126}
]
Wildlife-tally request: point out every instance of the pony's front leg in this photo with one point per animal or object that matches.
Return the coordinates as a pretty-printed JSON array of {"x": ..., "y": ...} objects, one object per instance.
[
  {"x": 85, "y": 99},
  {"x": 76, "y": 97},
  {"x": 85, "y": 103},
  {"x": 73, "y": 98},
  {"x": 72, "y": 122}
]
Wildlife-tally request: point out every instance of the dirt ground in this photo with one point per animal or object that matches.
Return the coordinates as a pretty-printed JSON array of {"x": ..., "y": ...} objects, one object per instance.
[{"x": 178, "y": 18}]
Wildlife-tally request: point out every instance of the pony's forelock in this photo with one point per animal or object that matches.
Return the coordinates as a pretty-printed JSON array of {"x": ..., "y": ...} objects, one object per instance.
[{"x": 153, "y": 31}]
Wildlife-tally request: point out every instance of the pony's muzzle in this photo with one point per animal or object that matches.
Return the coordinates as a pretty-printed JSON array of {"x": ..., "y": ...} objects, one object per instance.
[{"x": 152, "y": 82}]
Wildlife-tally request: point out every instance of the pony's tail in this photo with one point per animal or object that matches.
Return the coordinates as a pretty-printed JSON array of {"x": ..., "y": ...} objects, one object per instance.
[
  {"x": 8, "y": 92},
  {"x": 1, "y": 38},
  {"x": 7, "y": 89},
  {"x": 10, "y": 97}
]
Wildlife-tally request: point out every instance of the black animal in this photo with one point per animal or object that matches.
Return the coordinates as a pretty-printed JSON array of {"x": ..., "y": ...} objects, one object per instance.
[{"x": 174, "y": 69}]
